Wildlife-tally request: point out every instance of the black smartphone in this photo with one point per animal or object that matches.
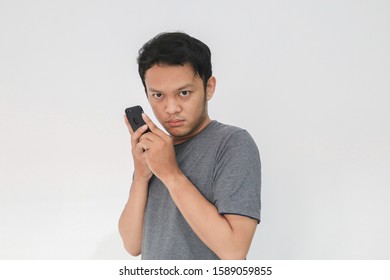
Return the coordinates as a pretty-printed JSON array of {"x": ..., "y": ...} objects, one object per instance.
[{"x": 134, "y": 116}]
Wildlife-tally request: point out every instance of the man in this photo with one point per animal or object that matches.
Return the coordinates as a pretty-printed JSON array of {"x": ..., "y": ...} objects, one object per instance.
[{"x": 195, "y": 192}]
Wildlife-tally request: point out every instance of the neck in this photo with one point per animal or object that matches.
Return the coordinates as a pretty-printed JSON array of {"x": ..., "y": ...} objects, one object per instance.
[{"x": 198, "y": 129}]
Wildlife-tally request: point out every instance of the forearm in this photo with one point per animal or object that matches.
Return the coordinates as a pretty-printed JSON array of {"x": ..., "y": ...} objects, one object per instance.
[
  {"x": 212, "y": 228},
  {"x": 131, "y": 220}
]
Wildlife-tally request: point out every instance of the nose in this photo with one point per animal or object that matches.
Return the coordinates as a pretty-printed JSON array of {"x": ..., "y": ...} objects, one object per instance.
[{"x": 172, "y": 106}]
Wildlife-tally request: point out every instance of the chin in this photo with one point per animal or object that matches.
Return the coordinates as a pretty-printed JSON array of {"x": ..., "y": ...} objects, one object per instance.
[
  {"x": 175, "y": 133},
  {"x": 179, "y": 132}
]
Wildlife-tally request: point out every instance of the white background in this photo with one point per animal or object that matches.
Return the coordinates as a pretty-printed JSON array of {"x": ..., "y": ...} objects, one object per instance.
[{"x": 310, "y": 80}]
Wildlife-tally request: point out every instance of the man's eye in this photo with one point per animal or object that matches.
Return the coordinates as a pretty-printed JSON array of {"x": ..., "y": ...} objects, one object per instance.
[
  {"x": 184, "y": 93},
  {"x": 157, "y": 95}
]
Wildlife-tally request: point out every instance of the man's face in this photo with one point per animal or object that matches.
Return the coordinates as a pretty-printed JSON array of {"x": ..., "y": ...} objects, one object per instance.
[{"x": 178, "y": 100}]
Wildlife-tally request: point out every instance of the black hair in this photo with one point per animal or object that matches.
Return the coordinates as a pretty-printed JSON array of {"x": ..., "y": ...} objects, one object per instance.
[{"x": 175, "y": 48}]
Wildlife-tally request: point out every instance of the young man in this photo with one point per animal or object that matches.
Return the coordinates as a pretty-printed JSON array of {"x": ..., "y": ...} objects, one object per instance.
[{"x": 195, "y": 192}]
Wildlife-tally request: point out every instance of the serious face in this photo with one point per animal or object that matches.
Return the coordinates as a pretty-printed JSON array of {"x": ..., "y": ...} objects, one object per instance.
[{"x": 178, "y": 99}]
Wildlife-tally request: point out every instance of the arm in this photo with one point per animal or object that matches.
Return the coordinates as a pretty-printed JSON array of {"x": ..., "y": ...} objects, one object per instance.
[
  {"x": 131, "y": 221},
  {"x": 132, "y": 218},
  {"x": 228, "y": 236}
]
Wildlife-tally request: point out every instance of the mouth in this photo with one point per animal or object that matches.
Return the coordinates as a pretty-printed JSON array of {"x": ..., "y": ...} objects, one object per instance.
[{"x": 175, "y": 122}]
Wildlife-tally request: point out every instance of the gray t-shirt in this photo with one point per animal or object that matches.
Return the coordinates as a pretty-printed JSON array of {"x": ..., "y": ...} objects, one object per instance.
[{"x": 223, "y": 162}]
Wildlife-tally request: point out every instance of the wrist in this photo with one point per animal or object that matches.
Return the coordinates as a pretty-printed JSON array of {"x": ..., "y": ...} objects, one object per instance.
[
  {"x": 139, "y": 186},
  {"x": 141, "y": 178},
  {"x": 173, "y": 179}
]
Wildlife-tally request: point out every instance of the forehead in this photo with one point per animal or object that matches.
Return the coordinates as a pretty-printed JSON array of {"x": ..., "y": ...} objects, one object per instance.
[{"x": 170, "y": 76}]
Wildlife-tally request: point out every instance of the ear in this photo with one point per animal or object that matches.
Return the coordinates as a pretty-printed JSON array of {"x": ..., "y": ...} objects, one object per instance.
[{"x": 210, "y": 87}]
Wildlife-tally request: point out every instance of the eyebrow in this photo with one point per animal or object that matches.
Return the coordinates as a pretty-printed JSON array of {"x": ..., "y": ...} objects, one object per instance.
[
  {"x": 186, "y": 86},
  {"x": 189, "y": 85}
]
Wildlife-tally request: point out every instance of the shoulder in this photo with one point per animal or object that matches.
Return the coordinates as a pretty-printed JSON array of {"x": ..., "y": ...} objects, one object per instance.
[
  {"x": 235, "y": 140},
  {"x": 230, "y": 133},
  {"x": 224, "y": 129},
  {"x": 225, "y": 132}
]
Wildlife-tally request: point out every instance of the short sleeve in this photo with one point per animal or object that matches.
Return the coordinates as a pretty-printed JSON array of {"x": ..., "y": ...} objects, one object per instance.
[{"x": 237, "y": 176}]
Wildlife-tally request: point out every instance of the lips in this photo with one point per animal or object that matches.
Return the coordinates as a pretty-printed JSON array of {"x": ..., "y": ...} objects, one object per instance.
[{"x": 175, "y": 122}]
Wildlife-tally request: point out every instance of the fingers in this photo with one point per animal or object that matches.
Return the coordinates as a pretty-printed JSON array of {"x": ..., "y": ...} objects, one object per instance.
[
  {"x": 149, "y": 122},
  {"x": 140, "y": 135},
  {"x": 153, "y": 128},
  {"x": 138, "y": 132},
  {"x": 130, "y": 128},
  {"x": 144, "y": 144},
  {"x": 135, "y": 136}
]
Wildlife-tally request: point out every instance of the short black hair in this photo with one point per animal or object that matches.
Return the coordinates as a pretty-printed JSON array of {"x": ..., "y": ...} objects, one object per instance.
[{"x": 175, "y": 48}]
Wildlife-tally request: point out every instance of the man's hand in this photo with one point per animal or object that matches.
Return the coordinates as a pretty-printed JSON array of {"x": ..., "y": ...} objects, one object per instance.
[
  {"x": 141, "y": 169},
  {"x": 158, "y": 151}
]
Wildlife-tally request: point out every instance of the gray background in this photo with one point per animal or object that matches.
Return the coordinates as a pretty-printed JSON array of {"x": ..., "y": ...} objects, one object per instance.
[{"x": 310, "y": 80}]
